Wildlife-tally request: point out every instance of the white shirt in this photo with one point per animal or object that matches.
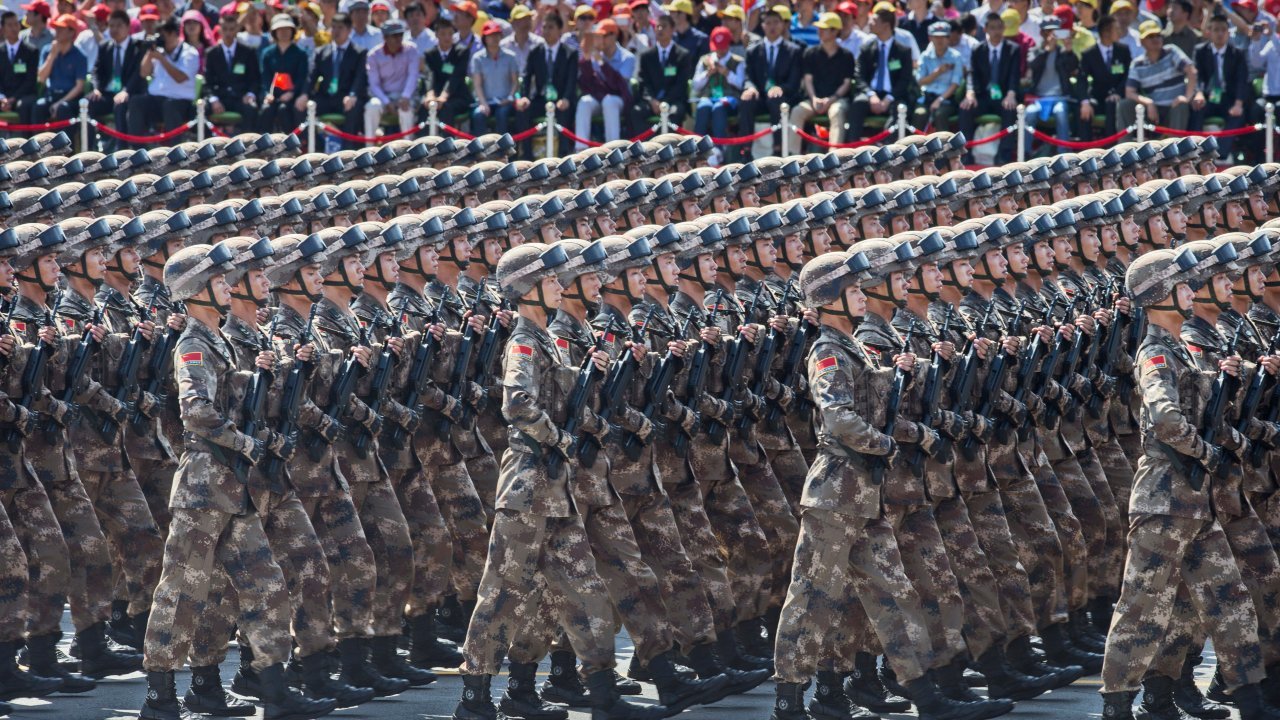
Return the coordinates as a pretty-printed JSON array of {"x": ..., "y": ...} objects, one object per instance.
[{"x": 163, "y": 85}]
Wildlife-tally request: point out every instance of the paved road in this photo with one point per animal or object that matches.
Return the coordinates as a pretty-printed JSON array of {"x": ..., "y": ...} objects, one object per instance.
[{"x": 119, "y": 699}]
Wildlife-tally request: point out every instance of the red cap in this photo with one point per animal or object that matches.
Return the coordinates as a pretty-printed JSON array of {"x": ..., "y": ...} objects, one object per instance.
[
  {"x": 229, "y": 10},
  {"x": 1066, "y": 15},
  {"x": 638, "y": 3},
  {"x": 65, "y": 20},
  {"x": 98, "y": 12},
  {"x": 721, "y": 38},
  {"x": 381, "y": 3},
  {"x": 847, "y": 8},
  {"x": 466, "y": 7},
  {"x": 605, "y": 27},
  {"x": 1249, "y": 5},
  {"x": 603, "y": 8},
  {"x": 490, "y": 28},
  {"x": 39, "y": 7},
  {"x": 1272, "y": 6},
  {"x": 148, "y": 12}
]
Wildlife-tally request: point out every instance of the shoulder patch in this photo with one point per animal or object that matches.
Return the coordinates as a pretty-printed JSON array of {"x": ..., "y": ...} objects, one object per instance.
[
  {"x": 69, "y": 322},
  {"x": 828, "y": 364},
  {"x": 562, "y": 343},
  {"x": 192, "y": 358},
  {"x": 524, "y": 350},
  {"x": 19, "y": 326},
  {"x": 1195, "y": 350},
  {"x": 1155, "y": 362}
]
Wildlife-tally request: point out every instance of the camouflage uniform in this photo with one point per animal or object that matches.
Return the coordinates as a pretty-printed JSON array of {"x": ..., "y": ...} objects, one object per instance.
[
  {"x": 483, "y": 444},
  {"x": 155, "y": 475},
  {"x": 787, "y": 447}
]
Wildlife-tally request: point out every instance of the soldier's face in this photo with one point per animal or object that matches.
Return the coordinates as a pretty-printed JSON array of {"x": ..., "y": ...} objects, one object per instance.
[
  {"x": 583, "y": 228},
  {"x": 1036, "y": 197},
  {"x": 1059, "y": 192},
  {"x": 1255, "y": 282},
  {"x": 844, "y": 232},
  {"x": 129, "y": 261},
  {"x": 735, "y": 261},
  {"x": 550, "y": 233},
  {"x": 462, "y": 249},
  {"x": 962, "y": 272},
  {"x": 1220, "y": 286},
  {"x": 259, "y": 287},
  {"x": 6, "y": 273},
  {"x": 749, "y": 197},
  {"x": 1007, "y": 204},
  {"x": 551, "y": 291},
  {"x": 1061, "y": 250},
  {"x": 47, "y": 270},
  {"x": 607, "y": 224},
  {"x": 661, "y": 215},
  {"x": 997, "y": 265},
  {"x": 389, "y": 267},
  {"x": 900, "y": 224},
  {"x": 1168, "y": 172},
  {"x": 1142, "y": 175},
  {"x": 1109, "y": 183},
  {"x": 1258, "y": 207},
  {"x": 220, "y": 290},
  {"x": 766, "y": 254},
  {"x": 691, "y": 210},
  {"x": 860, "y": 180},
  {"x": 945, "y": 215},
  {"x": 1183, "y": 296},
  {"x": 1044, "y": 256},
  {"x": 707, "y": 267},
  {"x": 1017, "y": 257},
  {"x": 590, "y": 284},
  {"x": 720, "y": 204},
  {"x": 871, "y": 228},
  {"x": 882, "y": 177},
  {"x": 354, "y": 270},
  {"x": 1130, "y": 231},
  {"x": 1234, "y": 214},
  {"x": 1177, "y": 220},
  {"x": 820, "y": 239},
  {"x": 920, "y": 220},
  {"x": 95, "y": 264},
  {"x": 930, "y": 278},
  {"x": 856, "y": 301},
  {"x": 1090, "y": 245},
  {"x": 976, "y": 207},
  {"x": 793, "y": 248},
  {"x": 634, "y": 282},
  {"x": 664, "y": 269},
  {"x": 1110, "y": 239},
  {"x": 1210, "y": 215},
  {"x": 1084, "y": 187},
  {"x": 492, "y": 249},
  {"x": 1158, "y": 232}
]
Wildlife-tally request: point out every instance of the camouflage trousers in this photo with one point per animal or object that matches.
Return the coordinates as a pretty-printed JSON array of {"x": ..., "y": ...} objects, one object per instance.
[
  {"x": 388, "y": 534},
  {"x": 1039, "y": 551},
  {"x": 352, "y": 576},
  {"x": 463, "y": 512},
  {"x": 1087, "y": 507},
  {"x": 776, "y": 518},
  {"x": 924, "y": 559},
  {"x": 700, "y": 542},
  {"x": 533, "y": 560},
  {"x": 1260, "y": 570},
  {"x": 632, "y": 585},
  {"x": 432, "y": 547},
  {"x": 155, "y": 477},
  {"x": 89, "y": 592},
  {"x": 984, "y": 626},
  {"x": 202, "y": 543},
  {"x": 48, "y": 567},
  {"x": 790, "y": 467},
  {"x": 991, "y": 526},
  {"x": 1184, "y": 635},
  {"x": 130, "y": 530},
  {"x": 306, "y": 574},
  {"x": 736, "y": 527},
  {"x": 1119, "y": 473},
  {"x": 1159, "y": 547},
  {"x": 13, "y": 582},
  {"x": 1108, "y": 585},
  {"x": 1075, "y": 551},
  {"x": 843, "y": 565},
  {"x": 1267, "y": 505},
  {"x": 657, "y": 535},
  {"x": 484, "y": 468}
]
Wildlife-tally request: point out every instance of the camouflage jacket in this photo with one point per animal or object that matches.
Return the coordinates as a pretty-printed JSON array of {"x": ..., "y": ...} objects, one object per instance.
[
  {"x": 883, "y": 343},
  {"x": 343, "y": 331},
  {"x": 93, "y": 453},
  {"x": 674, "y": 411},
  {"x": 153, "y": 294},
  {"x": 938, "y": 479},
  {"x": 378, "y": 322},
  {"x": 467, "y": 440},
  {"x": 121, "y": 314},
  {"x": 574, "y": 340},
  {"x": 627, "y": 476},
  {"x": 489, "y": 421},
  {"x": 1207, "y": 347}
]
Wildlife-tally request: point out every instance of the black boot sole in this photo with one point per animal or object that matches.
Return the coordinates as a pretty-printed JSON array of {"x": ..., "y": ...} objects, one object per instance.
[
  {"x": 873, "y": 704},
  {"x": 152, "y": 713},
  {"x": 198, "y": 704},
  {"x": 717, "y": 688},
  {"x": 554, "y": 693},
  {"x": 438, "y": 659},
  {"x": 297, "y": 715},
  {"x": 347, "y": 701},
  {"x": 520, "y": 710},
  {"x": 820, "y": 710}
]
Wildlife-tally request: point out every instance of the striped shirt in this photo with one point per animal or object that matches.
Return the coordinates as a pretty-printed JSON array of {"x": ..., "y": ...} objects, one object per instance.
[{"x": 1163, "y": 80}]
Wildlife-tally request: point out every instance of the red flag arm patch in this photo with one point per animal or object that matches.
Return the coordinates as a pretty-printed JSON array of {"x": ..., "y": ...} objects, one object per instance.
[
  {"x": 562, "y": 343},
  {"x": 192, "y": 358},
  {"x": 1155, "y": 362},
  {"x": 523, "y": 350},
  {"x": 827, "y": 364},
  {"x": 19, "y": 326}
]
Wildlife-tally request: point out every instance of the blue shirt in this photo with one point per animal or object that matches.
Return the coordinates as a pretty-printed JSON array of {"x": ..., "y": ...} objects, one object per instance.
[
  {"x": 805, "y": 35},
  {"x": 67, "y": 69},
  {"x": 930, "y": 62}
]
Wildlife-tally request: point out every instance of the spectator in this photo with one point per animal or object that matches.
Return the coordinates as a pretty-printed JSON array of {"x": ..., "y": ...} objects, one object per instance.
[
  {"x": 804, "y": 24},
  {"x": 310, "y": 34},
  {"x": 171, "y": 94},
  {"x": 1264, "y": 56},
  {"x": 1125, "y": 13},
  {"x": 339, "y": 82},
  {"x": 665, "y": 73},
  {"x": 62, "y": 70},
  {"x": 551, "y": 75},
  {"x": 993, "y": 85},
  {"x": 940, "y": 73},
  {"x": 734, "y": 18},
  {"x": 1179, "y": 32},
  {"x": 464, "y": 20},
  {"x": 1242, "y": 15},
  {"x": 419, "y": 32},
  {"x": 448, "y": 64},
  {"x": 95, "y": 31},
  {"x": 366, "y": 37},
  {"x": 702, "y": 19},
  {"x": 827, "y": 81},
  {"x": 393, "y": 69},
  {"x": 1087, "y": 14},
  {"x": 642, "y": 23},
  {"x": 379, "y": 13},
  {"x": 284, "y": 76},
  {"x": 1106, "y": 66},
  {"x": 1055, "y": 79},
  {"x": 37, "y": 32},
  {"x": 717, "y": 83},
  {"x": 884, "y": 74},
  {"x": 851, "y": 36},
  {"x": 584, "y": 20},
  {"x": 210, "y": 13},
  {"x": 628, "y": 38},
  {"x": 197, "y": 34},
  {"x": 918, "y": 21},
  {"x": 963, "y": 38},
  {"x": 1013, "y": 32},
  {"x": 773, "y": 75},
  {"x": 1222, "y": 74},
  {"x": 232, "y": 75},
  {"x": 1026, "y": 26},
  {"x": 253, "y": 36},
  {"x": 687, "y": 35},
  {"x": 117, "y": 74},
  {"x": 495, "y": 79},
  {"x": 18, "y": 68},
  {"x": 522, "y": 42},
  {"x": 986, "y": 9},
  {"x": 1162, "y": 80},
  {"x": 604, "y": 73}
]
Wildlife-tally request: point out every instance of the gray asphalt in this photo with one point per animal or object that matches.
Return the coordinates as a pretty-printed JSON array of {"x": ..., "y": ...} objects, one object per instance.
[{"x": 120, "y": 698}]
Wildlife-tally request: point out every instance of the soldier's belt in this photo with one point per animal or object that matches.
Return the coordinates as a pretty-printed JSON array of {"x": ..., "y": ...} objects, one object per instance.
[
  {"x": 522, "y": 440},
  {"x": 1160, "y": 449},
  {"x": 220, "y": 454}
]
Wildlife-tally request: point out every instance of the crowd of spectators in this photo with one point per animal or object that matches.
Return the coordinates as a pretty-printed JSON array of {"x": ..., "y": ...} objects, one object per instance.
[{"x": 1081, "y": 67}]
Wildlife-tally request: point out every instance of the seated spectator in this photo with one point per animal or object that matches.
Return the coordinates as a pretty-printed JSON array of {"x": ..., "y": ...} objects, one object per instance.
[
  {"x": 464, "y": 20},
  {"x": 284, "y": 75},
  {"x": 494, "y": 80},
  {"x": 993, "y": 87},
  {"x": 364, "y": 35},
  {"x": 522, "y": 42},
  {"x": 37, "y": 32},
  {"x": 148, "y": 21},
  {"x": 19, "y": 65},
  {"x": 584, "y": 21},
  {"x": 1055, "y": 79},
  {"x": 717, "y": 83},
  {"x": 1162, "y": 80},
  {"x": 1178, "y": 31},
  {"x": 393, "y": 73},
  {"x": 62, "y": 70},
  {"x": 417, "y": 30},
  {"x": 94, "y": 32},
  {"x": 604, "y": 72},
  {"x": 551, "y": 75},
  {"x": 170, "y": 98},
  {"x": 851, "y": 36},
  {"x": 1222, "y": 74},
  {"x": 773, "y": 76},
  {"x": 804, "y": 24},
  {"x": 447, "y": 65},
  {"x": 232, "y": 76},
  {"x": 1013, "y": 32},
  {"x": 940, "y": 73},
  {"x": 1264, "y": 55},
  {"x": 734, "y": 17},
  {"x": 210, "y": 13},
  {"x": 197, "y": 34},
  {"x": 687, "y": 35},
  {"x": 665, "y": 72},
  {"x": 827, "y": 80},
  {"x": 339, "y": 81},
  {"x": 116, "y": 74},
  {"x": 1125, "y": 14},
  {"x": 642, "y": 24},
  {"x": 1106, "y": 66},
  {"x": 884, "y": 74},
  {"x": 253, "y": 35}
]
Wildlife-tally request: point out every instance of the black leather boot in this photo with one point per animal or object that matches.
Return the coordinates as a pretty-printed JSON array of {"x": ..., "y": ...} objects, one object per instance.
[
  {"x": 1100, "y": 611},
  {"x": 139, "y": 624},
  {"x": 564, "y": 686},
  {"x": 625, "y": 685},
  {"x": 281, "y": 702},
  {"x": 731, "y": 654},
  {"x": 1252, "y": 705},
  {"x": 358, "y": 671},
  {"x": 1157, "y": 700},
  {"x": 477, "y": 700},
  {"x": 1082, "y": 634},
  {"x": 206, "y": 696},
  {"x": 788, "y": 702},
  {"x": 453, "y": 617},
  {"x": 162, "y": 698},
  {"x": 1006, "y": 681},
  {"x": 387, "y": 659},
  {"x": 521, "y": 700},
  {"x": 751, "y": 639},
  {"x": 678, "y": 693},
  {"x": 42, "y": 661},
  {"x": 1117, "y": 706},
  {"x": 863, "y": 688},
  {"x": 933, "y": 705},
  {"x": 316, "y": 680},
  {"x": 426, "y": 650},
  {"x": 1187, "y": 695},
  {"x": 830, "y": 702},
  {"x": 950, "y": 682},
  {"x": 1026, "y": 660},
  {"x": 246, "y": 683},
  {"x": 703, "y": 660},
  {"x": 97, "y": 660},
  {"x": 120, "y": 628},
  {"x": 607, "y": 704},
  {"x": 17, "y": 683},
  {"x": 1057, "y": 645}
]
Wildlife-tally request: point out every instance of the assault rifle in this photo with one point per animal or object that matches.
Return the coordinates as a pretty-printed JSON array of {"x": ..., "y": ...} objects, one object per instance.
[
  {"x": 1026, "y": 367},
  {"x": 768, "y": 349},
  {"x": 1114, "y": 335},
  {"x": 698, "y": 372},
  {"x": 792, "y": 370},
  {"x": 486, "y": 357},
  {"x": 419, "y": 371},
  {"x": 732, "y": 373},
  {"x": 159, "y": 367},
  {"x": 340, "y": 397},
  {"x": 656, "y": 391},
  {"x": 962, "y": 385},
  {"x": 614, "y": 388},
  {"x": 932, "y": 388},
  {"x": 458, "y": 377},
  {"x": 291, "y": 398},
  {"x": 579, "y": 397},
  {"x": 1069, "y": 366},
  {"x": 128, "y": 377},
  {"x": 255, "y": 402},
  {"x": 878, "y": 463},
  {"x": 77, "y": 368},
  {"x": 1259, "y": 452},
  {"x": 381, "y": 376},
  {"x": 995, "y": 379},
  {"x": 31, "y": 376},
  {"x": 1224, "y": 388}
]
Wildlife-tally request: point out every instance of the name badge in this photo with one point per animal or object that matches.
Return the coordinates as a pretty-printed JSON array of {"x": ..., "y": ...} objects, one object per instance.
[
  {"x": 552, "y": 94},
  {"x": 895, "y": 65},
  {"x": 114, "y": 86},
  {"x": 996, "y": 93},
  {"x": 20, "y": 68},
  {"x": 238, "y": 69},
  {"x": 669, "y": 71},
  {"x": 446, "y": 69},
  {"x": 333, "y": 86},
  {"x": 1117, "y": 69},
  {"x": 1215, "y": 95}
]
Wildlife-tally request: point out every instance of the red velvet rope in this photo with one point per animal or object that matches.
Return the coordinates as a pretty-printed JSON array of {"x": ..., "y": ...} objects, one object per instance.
[
  {"x": 592, "y": 143},
  {"x": 998, "y": 136},
  {"x": 1206, "y": 133},
  {"x": 740, "y": 140},
  {"x": 362, "y": 139},
  {"x": 858, "y": 143},
  {"x": 1080, "y": 145},
  {"x": 143, "y": 139},
  {"x": 38, "y": 127}
]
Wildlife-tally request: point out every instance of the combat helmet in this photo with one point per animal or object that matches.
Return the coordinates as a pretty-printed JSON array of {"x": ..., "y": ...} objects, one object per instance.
[
  {"x": 191, "y": 269},
  {"x": 290, "y": 254},
  {"x": 250, "y": 254},
  {"x": 823, "y": 279},
  {"x": 523, "y": 268},
  {"x": 1152, "y": 276}
]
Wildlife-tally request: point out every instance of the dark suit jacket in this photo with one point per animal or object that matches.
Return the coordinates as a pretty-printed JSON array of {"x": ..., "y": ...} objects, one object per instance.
[
  {"x": 352, "y": 79},
  {"x": 1068, "y": 67},
  {"x": 654, "y": 82},
  {"x": 1006, "y": 76},
  {"x": 222, "y": 81},
  {"x": 1235, "y": 73},
  {"x": 563, "y": 76},
  {"x": 786, "y": 72},
  {"x": 1102, "y": 82},
  {"x": 455, "y": 83},
  {"x": 900, "y": 80},
  {"x": 15, "y": 85},
  {"x": 131, "y": 78}
]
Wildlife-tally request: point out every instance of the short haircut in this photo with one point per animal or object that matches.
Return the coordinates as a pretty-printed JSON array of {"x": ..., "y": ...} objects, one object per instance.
[
  {"x": 170, "y": 25},
  {"x": 553, "y": 19},
  {"x": 341, "y": 18},
  {"x": 888, "y": 17},
  {"x": 993, "y": 18},
  {"x": 8, "y": 15},
  {"x": 1107, "y": 22},
  {"x": 1186, "y": 6},
  {"x": 414, "y": 7},
  {"x": 1218, "y": 18},
  {"x": 666, "y": 19},
  {"x": 443, "y": 23},
  {"x": 968, "y": 24}
]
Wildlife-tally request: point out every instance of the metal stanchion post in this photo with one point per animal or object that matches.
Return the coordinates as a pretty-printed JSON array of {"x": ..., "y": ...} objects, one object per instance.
[
  {"x": 200, "y": 126},
  {"x": 1269, "y": 111},
  {"x": 1022, "y": 132},
  {"x": 664, "y": 118},
  {"x": 902, "y": 120},
  {"x": 1140, "y": 117},
  {"x": 784, "y": 117},
  {"x": 551, "y": 130},
  {"x": 433, "y": 118},
  {"x": 311, "y": 126},
  {"x": 84, "y": 125}
]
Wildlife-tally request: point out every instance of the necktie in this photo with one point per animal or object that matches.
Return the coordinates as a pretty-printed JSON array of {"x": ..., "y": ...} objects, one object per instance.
[
  {"x": 12, "y": 52},
  {"x": 120, "y": 58},
  {"x": 551, "y": 57},
  {"x": 662, "y": 57},
  {"x": 995, "y": 59},
  {"x": 228, "y": 51},
  {"x": 773, "y": 55},
  {"x": 337, "y": 60},
  {"x": 1106, "y": 57},
  {"x": 883, "y": 75}
]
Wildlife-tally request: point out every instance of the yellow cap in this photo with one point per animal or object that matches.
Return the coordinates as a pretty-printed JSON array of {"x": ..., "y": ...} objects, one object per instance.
[
  {"x": 1122, "y": 5},
  {"x": 313, "y": 8},
  {"x": 1091, "y": 3},
  {"x": 520, "y": 12},
  {"x": 884, "y": 5},
  {"x": 783, "y": 11},
  {"x": 734, "y": 11},
  {"x": 1148, "y": 28},
  {"x": 683, "y": 6},
  {"x": 1012, "y": 21},
  {"x": 583, "y": 11},
  {"x": 829, "y": 21}
]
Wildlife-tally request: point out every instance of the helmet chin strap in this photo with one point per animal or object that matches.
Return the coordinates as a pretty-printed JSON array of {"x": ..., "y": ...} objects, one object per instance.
[
  {"x": 247, "y": 296},
  {"x": 302, "y": 292},
  {"x": 346, "y": 280},
  {"x": 540, "y": 303},
  {"x": 218, "y": 307},
  {"x": 728, "y": 268}
]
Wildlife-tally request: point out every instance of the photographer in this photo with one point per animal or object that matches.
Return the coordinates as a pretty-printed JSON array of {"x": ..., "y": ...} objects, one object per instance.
[
  {"x": 170, "y": 98},
  {"x": 62, "y": 70}
]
